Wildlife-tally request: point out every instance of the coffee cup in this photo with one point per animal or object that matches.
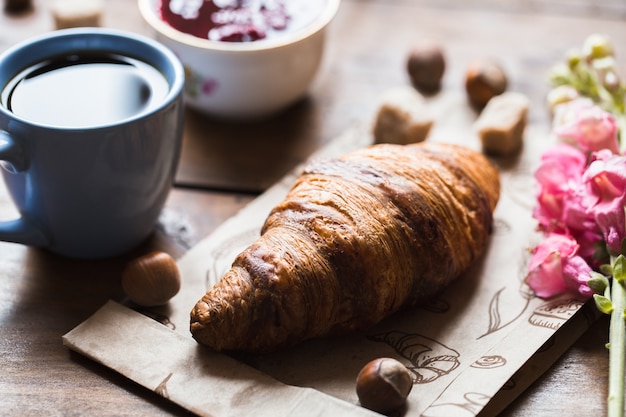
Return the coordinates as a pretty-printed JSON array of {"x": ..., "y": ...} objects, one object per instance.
[{"x": 90, "y": 135}]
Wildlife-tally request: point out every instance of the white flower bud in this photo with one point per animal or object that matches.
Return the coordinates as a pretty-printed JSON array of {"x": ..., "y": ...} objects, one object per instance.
[
  {"x": 560, "y": 95},
  {"x": 597, "y": 46},
  {"x": 607, "y": 73}
]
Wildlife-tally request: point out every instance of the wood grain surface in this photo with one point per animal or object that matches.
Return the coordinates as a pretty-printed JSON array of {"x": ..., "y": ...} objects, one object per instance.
[{"x": 224, "y": 165}]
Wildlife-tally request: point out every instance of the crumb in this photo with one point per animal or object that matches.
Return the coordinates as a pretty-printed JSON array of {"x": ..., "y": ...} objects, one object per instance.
[
  {"x": 501, "y": 124},
  {"x": 402, "y": 117},
  {"x": 76, "y": 13}
]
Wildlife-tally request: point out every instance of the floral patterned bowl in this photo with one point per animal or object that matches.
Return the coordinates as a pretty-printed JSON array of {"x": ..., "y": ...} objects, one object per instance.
[{"x": 244, "y": 80}]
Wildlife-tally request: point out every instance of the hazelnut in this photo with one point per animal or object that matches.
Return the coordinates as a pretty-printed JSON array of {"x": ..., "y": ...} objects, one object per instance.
[
  {"x": 426, "y": 65},
  {"x": 484, "y": 80},
  {"x": 151, "y": 280},
  {"x": 17, "y": 6},
  {"x": 383, "y": 385}
]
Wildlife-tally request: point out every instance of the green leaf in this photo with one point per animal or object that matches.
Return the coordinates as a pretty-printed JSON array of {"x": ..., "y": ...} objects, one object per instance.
[
  {"x": 598, "y": 282},
  {"x": 619, "y": 269},
  {"x": 606, "y": 269},
  {"x": 603, "y": 303}
]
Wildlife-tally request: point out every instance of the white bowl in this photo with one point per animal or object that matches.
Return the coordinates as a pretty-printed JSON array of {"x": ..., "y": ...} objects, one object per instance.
[{"x": 246, "y": 79}]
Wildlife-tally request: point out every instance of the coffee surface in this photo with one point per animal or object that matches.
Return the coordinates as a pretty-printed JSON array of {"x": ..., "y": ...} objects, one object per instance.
[{"x": 84, "y": 90}]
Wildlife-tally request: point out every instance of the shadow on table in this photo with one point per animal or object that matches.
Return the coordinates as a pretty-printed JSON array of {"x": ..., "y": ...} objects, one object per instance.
[{"x": 247, "y": 156}]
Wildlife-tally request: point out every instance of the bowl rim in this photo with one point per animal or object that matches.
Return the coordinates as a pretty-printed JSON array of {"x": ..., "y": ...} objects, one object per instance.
[{"x": 147, "y": 10}]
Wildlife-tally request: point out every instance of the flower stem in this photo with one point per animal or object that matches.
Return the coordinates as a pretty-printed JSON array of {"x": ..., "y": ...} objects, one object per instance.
[
  {"x": 617, "y": 350},
  {"x": 621, "y": 126}
]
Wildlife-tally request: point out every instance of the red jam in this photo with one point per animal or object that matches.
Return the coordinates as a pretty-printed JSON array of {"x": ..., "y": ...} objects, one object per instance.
[{"x": 228, "y": 20}]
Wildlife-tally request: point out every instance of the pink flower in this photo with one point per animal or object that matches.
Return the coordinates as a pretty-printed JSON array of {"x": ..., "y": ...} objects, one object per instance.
[
  {"x": 587, "y": 126},
  {"x": 556, "y": 268},
  {"x": 605, "y": 179},
  {"x": 562, "y": 201},
  {"x": 560, "y": 195},
  {"x": 590, "y": 241}
]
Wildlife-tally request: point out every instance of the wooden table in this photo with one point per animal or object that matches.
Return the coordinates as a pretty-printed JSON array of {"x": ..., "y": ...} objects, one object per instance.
[{"x": 225, "y": 165}]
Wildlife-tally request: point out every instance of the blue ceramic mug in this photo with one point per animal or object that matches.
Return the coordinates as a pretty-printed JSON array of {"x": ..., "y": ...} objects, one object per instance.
[{"x": 92, "y": 184}]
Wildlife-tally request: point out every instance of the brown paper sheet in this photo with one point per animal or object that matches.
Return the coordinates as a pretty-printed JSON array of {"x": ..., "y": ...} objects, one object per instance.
[
  {"x": 486, "y": 327},
  {"x": 175, "y": 367}
]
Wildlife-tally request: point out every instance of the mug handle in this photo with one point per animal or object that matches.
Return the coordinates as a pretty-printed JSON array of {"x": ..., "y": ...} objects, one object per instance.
[{"x": 19, "y": 230}]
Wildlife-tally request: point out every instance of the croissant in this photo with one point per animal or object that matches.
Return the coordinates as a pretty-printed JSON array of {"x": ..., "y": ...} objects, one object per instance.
[{"x": 356, "y": 239}]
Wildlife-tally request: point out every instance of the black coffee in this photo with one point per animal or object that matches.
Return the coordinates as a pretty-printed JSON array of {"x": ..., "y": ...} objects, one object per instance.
[{"x": 84, "y": 90}]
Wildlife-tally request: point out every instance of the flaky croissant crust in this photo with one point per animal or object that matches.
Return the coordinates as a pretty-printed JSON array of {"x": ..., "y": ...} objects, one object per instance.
[{"x": 356, "y": 239}]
